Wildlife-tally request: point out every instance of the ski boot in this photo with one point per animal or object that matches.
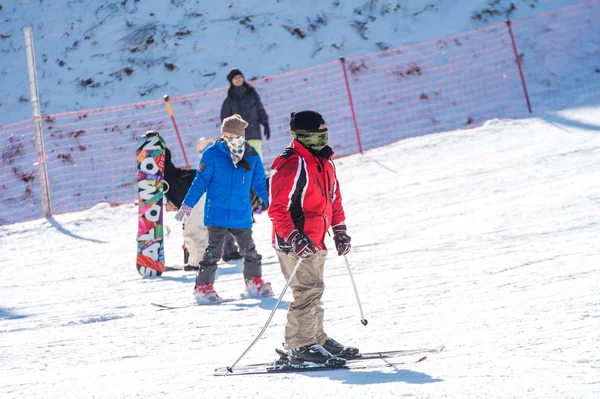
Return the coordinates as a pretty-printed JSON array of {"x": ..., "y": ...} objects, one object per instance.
[
  {"x": 339, "y": 350},
  {"x": 258, "y": 288},
  {"x": 206, "y": 294},
  {"x": 315, "y": 354}
]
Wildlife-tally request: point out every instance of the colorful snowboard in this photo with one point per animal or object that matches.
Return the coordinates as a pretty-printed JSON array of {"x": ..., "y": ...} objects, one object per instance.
[{"x": 151, "y": 166}]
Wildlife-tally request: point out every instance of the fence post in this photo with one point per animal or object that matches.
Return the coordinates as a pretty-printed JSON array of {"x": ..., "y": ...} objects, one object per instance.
[
  {"x": 343, "y": 61},
  {"x": 514, "y": 46},
  {"x": 37, "y": 121},
  {"x": 166, "y": 98}
]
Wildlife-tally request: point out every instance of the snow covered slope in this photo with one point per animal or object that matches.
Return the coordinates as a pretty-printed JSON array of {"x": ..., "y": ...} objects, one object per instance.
[
  {"x": 484, "y": 240},
  {"x": 98, "y": 53}
]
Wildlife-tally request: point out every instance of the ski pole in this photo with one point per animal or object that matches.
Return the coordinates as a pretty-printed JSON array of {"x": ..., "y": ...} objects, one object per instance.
[
  {"x": 230, "y": 368},
  {"x": 166, "y": 98},
  {"x": 362, "y": 320}
]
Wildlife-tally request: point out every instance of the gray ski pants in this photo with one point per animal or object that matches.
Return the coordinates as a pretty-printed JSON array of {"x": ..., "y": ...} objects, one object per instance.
[
  {"x": 195, "y": 235},
  {"x": 305, "y": 314},
  {"x": 214, "y": 252}
]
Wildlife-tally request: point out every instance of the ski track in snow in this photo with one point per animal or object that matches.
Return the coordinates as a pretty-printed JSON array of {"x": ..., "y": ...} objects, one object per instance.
[{"x": 484, "y": 240}]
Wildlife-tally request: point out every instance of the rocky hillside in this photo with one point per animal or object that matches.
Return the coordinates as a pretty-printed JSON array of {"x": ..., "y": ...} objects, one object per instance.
[{"x": 97, "y": 53}]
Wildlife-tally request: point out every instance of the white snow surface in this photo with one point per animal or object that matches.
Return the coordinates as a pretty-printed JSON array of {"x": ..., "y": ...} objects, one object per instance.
[{"x": 484, "y": 240}]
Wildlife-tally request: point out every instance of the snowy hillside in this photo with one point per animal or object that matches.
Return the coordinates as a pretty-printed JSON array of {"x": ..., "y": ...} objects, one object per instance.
[
  {"x": 483, "y": 240},
  {"x": 92, "y": 54}
]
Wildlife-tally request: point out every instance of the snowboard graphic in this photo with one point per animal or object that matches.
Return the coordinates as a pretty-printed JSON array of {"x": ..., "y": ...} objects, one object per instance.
[{"x": 151, "y": 166}]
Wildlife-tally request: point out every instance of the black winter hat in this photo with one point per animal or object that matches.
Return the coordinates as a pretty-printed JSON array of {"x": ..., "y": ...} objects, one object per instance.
[
  {"x": 306, "y": 120},
  {"x": 233, "y": 73}
]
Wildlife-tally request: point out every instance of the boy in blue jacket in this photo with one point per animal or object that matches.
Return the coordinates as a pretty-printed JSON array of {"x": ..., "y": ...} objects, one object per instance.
[{"x": 227, "y": 171}]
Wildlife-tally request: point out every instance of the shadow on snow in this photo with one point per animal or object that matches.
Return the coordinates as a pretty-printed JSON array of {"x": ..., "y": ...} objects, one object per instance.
[
  {"x": 6, "y": 314},
  {"x": 562, "y": 122},
  {"x": 263, "y": 303},
  {"x": 60, "y": 228},
  {"x": 369, "y": 377}
]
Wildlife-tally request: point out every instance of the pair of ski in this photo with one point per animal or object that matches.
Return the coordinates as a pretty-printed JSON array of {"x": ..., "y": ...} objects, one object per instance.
[
  {"x": 284, "y": 365},
  {"x": 221, "y": 301},
  {"x": 169, "y": 307}
]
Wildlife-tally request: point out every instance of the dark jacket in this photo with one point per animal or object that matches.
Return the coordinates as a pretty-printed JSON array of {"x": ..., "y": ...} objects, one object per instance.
[
  {"x": 304, "y": 194},
  {"x": 228, "y": 187},
  {"x": 178, "y": 180},
  {"x": 245, "y": 101}
]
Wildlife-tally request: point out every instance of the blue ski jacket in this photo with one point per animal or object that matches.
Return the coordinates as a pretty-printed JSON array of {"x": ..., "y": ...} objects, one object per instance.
[{"x": 227, "y": 187}]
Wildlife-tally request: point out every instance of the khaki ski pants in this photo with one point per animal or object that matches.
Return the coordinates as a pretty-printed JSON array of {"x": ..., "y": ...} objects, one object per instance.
[{"x": 305, "y": 315}]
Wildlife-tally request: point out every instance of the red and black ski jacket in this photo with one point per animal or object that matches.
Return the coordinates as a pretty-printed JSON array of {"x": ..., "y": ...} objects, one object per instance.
[{"x": 304, "y": 194}]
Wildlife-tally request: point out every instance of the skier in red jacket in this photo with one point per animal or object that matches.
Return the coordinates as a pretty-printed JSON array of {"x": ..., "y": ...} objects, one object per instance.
[{"x": 305, "y": 201}]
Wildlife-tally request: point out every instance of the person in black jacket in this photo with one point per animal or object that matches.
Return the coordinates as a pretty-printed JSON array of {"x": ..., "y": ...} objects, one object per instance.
[
  {"x": 243, "y": 99},
  {"x": 195, "y": 234}
]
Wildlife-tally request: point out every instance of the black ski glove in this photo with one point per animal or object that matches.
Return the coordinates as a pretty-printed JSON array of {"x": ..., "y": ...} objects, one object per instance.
[
  {"x": 342, "y": 239},
  {"x": 301, "y": 244},
  {"x": 267, "y": 132}
]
